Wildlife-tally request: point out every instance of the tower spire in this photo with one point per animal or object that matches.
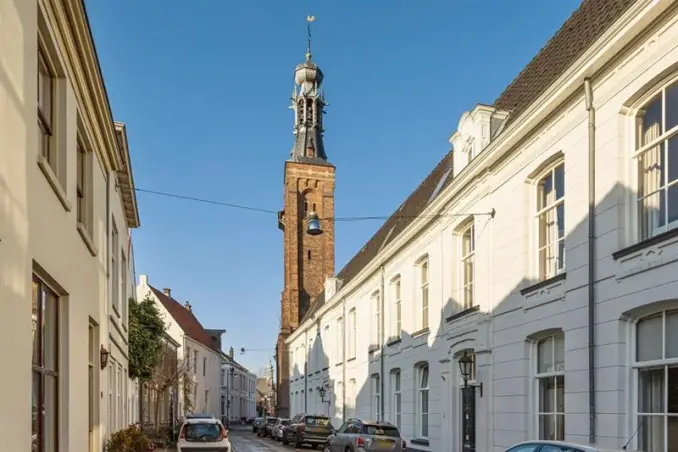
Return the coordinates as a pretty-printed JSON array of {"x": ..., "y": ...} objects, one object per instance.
[{"x": 308, "y": 104}]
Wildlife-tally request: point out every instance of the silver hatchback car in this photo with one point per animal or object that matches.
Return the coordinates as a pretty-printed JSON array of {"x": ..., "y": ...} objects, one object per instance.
[{"x": 370, "y": 436}]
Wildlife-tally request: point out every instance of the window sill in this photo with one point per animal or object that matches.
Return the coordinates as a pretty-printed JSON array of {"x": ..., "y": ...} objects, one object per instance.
[
  {"x": 645, "y": 244},
  {"x": 420, "y": 442},
  {"x": 463, "y": 313},
  {"x": 338, "y": 364},
  {"x": 393, "y": 342},
  {"x": 420, "y": 333},
  {"x": 541, "y": 284},
  {"x": 84, "y": 234},
  {"x": 350, "y": 359},
  {"x": 54, "y": 182}
]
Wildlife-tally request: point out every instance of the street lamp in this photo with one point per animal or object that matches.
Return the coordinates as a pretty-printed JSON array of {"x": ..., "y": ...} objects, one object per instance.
[
  {"x": 465, "y": 368},
  {"x": 321, "y": 391},
  {"x": 103, "y": 356}
]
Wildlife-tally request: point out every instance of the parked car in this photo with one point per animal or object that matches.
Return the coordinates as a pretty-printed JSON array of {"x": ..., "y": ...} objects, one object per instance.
[
  {"x": 268, "y": 426},
  {"x": 256, "y": 423},
  {"x": 203, "y": 434},
  {"x": 357, "y": 434},
  {"x": 278, "y": 428},
  {"x": 200, "y": 416},
  {"x": 309, "y": 429},
  {"x": 250, "y": 420},
  {"x": 554, "y": 446}
]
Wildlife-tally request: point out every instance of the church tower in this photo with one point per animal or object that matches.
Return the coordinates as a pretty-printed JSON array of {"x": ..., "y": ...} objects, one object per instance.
[{"x": 309, "y": 187}]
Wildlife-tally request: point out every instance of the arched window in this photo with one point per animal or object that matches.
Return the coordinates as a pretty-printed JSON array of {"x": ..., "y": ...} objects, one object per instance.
[
  {"x": 656, "y": 364},
  {"x": 550, "y": 374},
  {"x": 656, "y": 146},
  {"x": 422, "y": 408},
  {"x": 376, "y": 396},
  {"x": 551, "y": 221},
  {"x": 396, "y": 398}
]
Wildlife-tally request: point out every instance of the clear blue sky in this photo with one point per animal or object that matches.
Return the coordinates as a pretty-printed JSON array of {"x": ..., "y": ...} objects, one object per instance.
[{"x": 204, "y": 88}]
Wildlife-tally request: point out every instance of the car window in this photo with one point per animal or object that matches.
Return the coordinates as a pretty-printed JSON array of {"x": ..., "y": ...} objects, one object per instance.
[
  {"x": 552, "y": 448},
  {"x": 525, "y": 448},
  {"x": 317, "y": 421},
  {"x": 271, "y": 420},
  {"x": 202, "y": 430},
  {"x": 381, "y": 430},
  {"x": 342, "y": 429},
  {"x": 285, "y": 422}
]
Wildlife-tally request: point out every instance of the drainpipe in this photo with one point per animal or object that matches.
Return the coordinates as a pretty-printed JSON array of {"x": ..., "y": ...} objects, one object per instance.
[
  {"x": 308, "y": 357},
  {"x": 383, "y": 347},
  {"x": 343, "y": 358},
  {"x": 588, "y": 91}
]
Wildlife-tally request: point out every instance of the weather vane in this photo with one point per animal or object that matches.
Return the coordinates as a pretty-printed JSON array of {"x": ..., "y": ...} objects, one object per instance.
[{"x": 309, "y": 19}]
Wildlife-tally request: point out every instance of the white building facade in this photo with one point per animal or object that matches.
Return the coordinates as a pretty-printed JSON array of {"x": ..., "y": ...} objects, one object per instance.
[
  {"x": 199, "y": 356},
  {"x": 489, "y": 258},
  {"x": 238, "y": 390},
  {"x": 68, "y": 205}
]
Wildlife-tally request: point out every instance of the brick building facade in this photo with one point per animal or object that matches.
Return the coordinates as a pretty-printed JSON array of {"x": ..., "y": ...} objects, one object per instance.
[{"x": 309, "y": 187}]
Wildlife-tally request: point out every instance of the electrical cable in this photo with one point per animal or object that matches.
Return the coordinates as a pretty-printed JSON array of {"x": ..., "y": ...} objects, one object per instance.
[{"x": 274, "y": 212}]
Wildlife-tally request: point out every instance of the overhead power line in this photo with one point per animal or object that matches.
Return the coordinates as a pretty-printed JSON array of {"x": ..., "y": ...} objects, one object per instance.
[{"x": 275, "y": 212}]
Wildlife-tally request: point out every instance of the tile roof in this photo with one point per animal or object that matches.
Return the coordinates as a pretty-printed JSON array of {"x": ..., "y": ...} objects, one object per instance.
[
  {"x": 186, "y": 320},
  {"x": 578, "y": 33}
]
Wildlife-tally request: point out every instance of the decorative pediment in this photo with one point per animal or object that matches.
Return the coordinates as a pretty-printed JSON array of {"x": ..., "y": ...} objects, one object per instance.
[{"x": 475, "y": 131}]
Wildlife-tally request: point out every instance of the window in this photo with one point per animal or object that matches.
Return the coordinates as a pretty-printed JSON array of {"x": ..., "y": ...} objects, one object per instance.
[
  {"x": 551, "y": 221},
  {"x": 46, "y": 84},
  {"x": 207, "y": 393},
  {"x": 396, "y": 396},
  {"x": 310, "y": 354},
  {"x": 657, "y": 374},
  {"x": 91, "y": 375},
  {"x": 376, "y": 302},
  {"x": 123, "y": 286},
  {"x": 325, "y": 338},
  {"x": 398, "y": 313},
  {"x": 353, "y": 333},
  {"x": 340, "y": 340},
  {"x": 81, "y": 184},
  {"x": 115, "y": 271},
  {"x": 422, "y": 401},
  {"x": 195, "y": 361},
  {"x": 204, "y": 366},
  {"x": 376, "y": 397},
  {"x": 468, "y": 249},
  {"x": 657, "y": 125},
  {"x": 118, "y": 397},
  {"x": 551, "y": 388},
  {"x": 44, "y": 417},
  {"x": 423, "y": 281},
  {"x": 351, "y": 402}
]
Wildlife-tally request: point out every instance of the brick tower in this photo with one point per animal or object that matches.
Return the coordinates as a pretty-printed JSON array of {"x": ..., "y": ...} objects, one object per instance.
[{"x": 309, "y": 187}]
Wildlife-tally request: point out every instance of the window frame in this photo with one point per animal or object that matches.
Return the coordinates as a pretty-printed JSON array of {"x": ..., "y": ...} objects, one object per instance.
[
  {"x": 422, "y": 390},
  {"x": 464, "y": 258},
  {"x": 375, "y": 381},
  {"x": 397, "y": 397},
  {"x": 654, "y": 364},
  {"x": 43, "y": 371},
  {"x": 540, "y": 211},
  {"x": 552, "y": 375},
  {"x": 353, "y": 333},
  {"x": 376, "y": 303},
  {"x": 46, "y": 118},
  {"x": 115, "y": 270},
  {"x": 397, "y": 290},
  {"x": 341, "y": 340},
  {"x": 638, "y": 150},
  {"x": 423, "y": 268}
]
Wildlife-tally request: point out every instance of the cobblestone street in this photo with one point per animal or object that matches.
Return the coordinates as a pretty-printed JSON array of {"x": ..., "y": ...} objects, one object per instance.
[{"x": 243, "y": 440}]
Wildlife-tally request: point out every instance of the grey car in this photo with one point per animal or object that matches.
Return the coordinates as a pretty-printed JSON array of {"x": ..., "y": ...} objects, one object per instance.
[{"x": 372, "y": 436}]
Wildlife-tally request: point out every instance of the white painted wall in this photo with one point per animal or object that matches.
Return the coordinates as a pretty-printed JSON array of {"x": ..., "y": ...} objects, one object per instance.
[
  {"x": 500, "y": 331},
  {"x": 240, "y": 388}
]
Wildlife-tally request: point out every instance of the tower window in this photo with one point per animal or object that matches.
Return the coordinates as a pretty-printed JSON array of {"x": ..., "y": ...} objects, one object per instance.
[
  {"x": 314, "y": 207},
  {"x": 308, "y": 254},
  {"x": 305, "y": 207}
]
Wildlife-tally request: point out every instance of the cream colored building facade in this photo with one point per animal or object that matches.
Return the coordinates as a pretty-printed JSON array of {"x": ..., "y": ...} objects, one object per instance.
[
  {"x": 496, "y": 265},
  {"x": 67, "y": 202},
  {"x": 238, "y": 390}
]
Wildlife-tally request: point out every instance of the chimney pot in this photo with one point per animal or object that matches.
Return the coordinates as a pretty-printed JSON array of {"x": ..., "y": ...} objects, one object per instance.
[
  {"x": 167, "y": 291},
  {"x": 187, "y": 305}
]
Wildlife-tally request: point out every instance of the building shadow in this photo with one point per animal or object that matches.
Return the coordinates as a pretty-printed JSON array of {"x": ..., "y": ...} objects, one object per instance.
[{"x": 413, "y": 379}]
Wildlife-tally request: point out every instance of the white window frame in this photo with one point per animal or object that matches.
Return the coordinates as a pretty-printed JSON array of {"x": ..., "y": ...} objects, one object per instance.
[
  {"x": 544, "y": 376},
  {"x": 376, "y": 396},
  {"x": 397, "y": 397},
  {"x": 543, "y": 269},
  {"x": 376, "y": 303},
  {"x": 353, "y": 333},
  {"x": 340, "y": 340},
  {"x": 638, "y": 366},
  {"x": 397, "y": 289},
  {"x": 325, "y": 338},
  {"x": 424, "y": 280},
  {"x": 466, "y": 257},
  {"x": 115, "y": 269},
  {"x": 421, "y": 391},
  {"x": 637, "y": 151}
]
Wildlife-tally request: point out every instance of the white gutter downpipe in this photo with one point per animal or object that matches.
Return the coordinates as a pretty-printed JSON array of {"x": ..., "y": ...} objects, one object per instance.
[{"x": 588, "y": 91}]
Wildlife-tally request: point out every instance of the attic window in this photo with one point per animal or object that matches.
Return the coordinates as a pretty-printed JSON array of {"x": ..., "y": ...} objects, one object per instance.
[{"x": 441, "y": 182}]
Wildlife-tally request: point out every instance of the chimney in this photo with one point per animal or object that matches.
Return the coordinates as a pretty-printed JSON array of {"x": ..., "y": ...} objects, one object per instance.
[
  {"x": 167, "y": 291},
  {"x": 143, "y": 280},
  {"x": 187, "y": 305},
  {"x": 230, "y": 352}
]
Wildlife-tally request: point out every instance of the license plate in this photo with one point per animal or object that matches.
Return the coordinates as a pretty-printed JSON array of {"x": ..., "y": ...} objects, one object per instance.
[{"x": 383, "y": 444}]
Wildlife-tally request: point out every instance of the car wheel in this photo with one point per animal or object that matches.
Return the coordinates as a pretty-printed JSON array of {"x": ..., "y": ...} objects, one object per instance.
[
  {"x": 297, "y": 441},
  {"x": 326, "y": 448},
  {"x": 285, "y": 441}
]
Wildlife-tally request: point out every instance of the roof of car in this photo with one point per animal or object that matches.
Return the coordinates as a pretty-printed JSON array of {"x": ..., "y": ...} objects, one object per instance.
[
  {"x": 201, "y": 420},
  {"x": 568, "y": 444}
]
